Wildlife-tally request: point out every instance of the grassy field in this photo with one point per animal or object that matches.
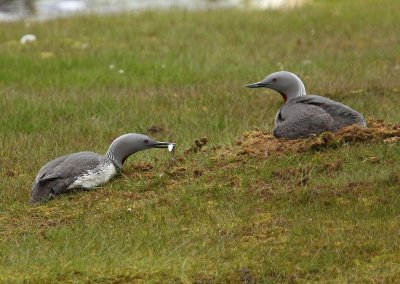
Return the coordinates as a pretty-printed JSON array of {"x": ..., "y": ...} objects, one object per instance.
[{"x": 216, "y": 215}]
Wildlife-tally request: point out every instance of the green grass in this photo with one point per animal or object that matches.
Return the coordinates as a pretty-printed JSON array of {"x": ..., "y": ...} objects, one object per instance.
[{"x": 236, "y": 222}]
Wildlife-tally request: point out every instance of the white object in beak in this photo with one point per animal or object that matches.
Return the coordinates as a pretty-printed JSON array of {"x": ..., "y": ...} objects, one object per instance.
[{"x": 171, "y": 147}]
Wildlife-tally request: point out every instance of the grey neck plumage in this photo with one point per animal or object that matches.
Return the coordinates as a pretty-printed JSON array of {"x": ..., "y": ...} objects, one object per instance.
[
  {"x": 296, "y": 88},
  {"x": 119, "y": 151},
  {"x": 116, "y": 161}
]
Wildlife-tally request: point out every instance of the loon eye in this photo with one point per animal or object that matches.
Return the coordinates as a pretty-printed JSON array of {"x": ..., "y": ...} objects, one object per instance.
[
  {"x": 274, "y": 80},
  {"x": 146, "y": 141}
]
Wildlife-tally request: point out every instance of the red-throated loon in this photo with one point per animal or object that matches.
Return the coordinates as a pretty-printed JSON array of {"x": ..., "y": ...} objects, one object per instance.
[
  {"x": 303, "y": 115},
  {"x": 88, "y": 169}
]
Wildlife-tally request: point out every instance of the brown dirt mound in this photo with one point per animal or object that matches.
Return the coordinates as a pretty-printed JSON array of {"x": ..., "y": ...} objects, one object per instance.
[
  {"x": 261, "y": 144},
  {"x": 197, "y": 146}
]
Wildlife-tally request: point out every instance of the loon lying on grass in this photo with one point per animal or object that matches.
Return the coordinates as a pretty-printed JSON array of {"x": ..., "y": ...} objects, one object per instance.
[
  {"x": 88, "y": 169},
  {"x": 303, "y": 115}
]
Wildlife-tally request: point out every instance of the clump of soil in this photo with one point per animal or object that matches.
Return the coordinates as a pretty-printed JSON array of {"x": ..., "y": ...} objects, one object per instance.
[
  {"x": 262, "y": 144},
  {"x": 142, "y": 167},
  {"x": 177, "y": 172},
  {"x": 11, "y": 173},
  {"x": 198, "y": 173},
  {"x": 155, "y": 129},
  {"x": 198, "y": 145}
]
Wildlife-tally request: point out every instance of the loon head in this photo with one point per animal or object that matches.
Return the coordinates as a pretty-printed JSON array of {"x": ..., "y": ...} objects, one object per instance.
[
  {"x": 286, "y": 83},
  {"x": 128, "y": 144}
]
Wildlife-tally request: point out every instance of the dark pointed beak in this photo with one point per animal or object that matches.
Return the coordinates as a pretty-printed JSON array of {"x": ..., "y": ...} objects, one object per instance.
[
  {"x": 162, "y": 144},
  {"x": 256, "y": 85}
]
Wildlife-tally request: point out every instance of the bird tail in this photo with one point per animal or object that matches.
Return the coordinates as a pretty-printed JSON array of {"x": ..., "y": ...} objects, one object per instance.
[
  {"x": 362, "y": 121},
  {"x": 41, "y": 191}
]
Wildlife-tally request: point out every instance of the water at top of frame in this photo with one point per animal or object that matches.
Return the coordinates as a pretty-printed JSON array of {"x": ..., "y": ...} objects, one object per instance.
[{"x": 14, "y": 10}]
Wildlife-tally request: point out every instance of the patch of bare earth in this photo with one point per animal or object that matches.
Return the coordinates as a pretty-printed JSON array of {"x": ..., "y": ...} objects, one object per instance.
[{"x": 262, "y": 144}]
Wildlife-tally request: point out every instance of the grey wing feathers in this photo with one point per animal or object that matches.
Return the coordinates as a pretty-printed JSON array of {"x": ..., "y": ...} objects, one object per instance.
[
  {"x": 57, "y": 175},
  {"x": 342, "y": 115},
  {"x": 69, "y": 167},
  {"x": 308, "y": 115},
  {"x": 50, "y": 165},
  {"x": 296, "y": 121}
]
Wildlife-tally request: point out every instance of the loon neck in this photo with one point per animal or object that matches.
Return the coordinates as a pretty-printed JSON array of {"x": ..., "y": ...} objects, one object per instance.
[
  {"x": 118, "y": 152},
  {"x": 110, "y": 155},
  {"x": 297, "y": 89}
]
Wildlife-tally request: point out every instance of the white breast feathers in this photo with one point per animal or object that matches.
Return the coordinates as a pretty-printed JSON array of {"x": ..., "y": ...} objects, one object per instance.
[{"x": 95, "y": 178}]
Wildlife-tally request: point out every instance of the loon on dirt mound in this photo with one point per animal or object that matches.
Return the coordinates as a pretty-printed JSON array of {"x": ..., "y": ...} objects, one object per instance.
[
  {"x": 88, "y": 169},
  {"x": 302, "y": 115}
]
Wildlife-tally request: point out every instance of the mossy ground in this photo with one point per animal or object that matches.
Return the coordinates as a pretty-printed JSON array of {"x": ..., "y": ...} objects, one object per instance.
[{"x": 239, "y": 206}]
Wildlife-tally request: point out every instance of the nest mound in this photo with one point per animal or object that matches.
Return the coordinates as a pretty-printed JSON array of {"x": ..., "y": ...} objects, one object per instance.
[{"x": 259, "y": 143}]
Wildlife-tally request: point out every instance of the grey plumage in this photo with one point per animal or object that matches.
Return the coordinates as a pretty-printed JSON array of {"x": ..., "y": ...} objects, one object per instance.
[
  {"x": 88, "y": 169},
  {"x": 302, "y": 115},
  {"x": 56, "y": 176}
]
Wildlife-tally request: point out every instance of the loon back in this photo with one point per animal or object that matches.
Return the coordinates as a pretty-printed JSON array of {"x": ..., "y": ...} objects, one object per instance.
[
  {"x": 341, "y": 114},
  {"x": 60, "y": 175},
  {"x": 307, "y": 115}
]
